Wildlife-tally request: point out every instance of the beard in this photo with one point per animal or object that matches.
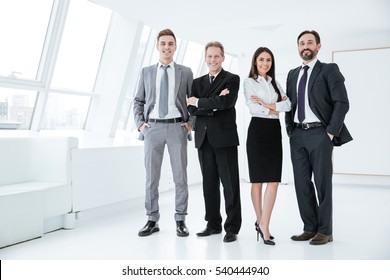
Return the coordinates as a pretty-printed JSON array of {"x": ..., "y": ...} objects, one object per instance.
[{"x": 310, "y": 56}]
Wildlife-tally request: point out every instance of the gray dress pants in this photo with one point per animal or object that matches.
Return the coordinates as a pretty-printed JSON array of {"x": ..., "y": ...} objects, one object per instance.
[{"x": 174, "y": 136}]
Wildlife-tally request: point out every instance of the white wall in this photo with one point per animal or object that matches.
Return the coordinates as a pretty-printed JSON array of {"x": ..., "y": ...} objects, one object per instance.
[{"x": 367, "y": 119}]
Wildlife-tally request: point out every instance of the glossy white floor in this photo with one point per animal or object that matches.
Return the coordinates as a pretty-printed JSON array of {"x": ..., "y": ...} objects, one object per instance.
[{"x": 361, "y": 232}]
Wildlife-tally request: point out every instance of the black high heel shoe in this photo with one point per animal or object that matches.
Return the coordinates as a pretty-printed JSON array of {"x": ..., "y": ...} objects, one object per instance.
[
  {"x": 267, "y": 242},
  {"x": 257, "y": 227}
]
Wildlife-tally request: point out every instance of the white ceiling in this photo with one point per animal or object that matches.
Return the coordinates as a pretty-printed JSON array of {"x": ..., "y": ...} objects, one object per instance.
[{"x": 244, "y": 25}]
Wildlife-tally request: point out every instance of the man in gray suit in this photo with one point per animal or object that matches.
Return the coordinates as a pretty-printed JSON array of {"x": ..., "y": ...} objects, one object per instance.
[
  {"x": 160, "y": 113},
  {"x": 315, "y": 125}
]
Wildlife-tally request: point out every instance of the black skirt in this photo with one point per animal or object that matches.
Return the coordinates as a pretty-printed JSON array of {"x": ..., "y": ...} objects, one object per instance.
[{"x": 264, "y": 150}]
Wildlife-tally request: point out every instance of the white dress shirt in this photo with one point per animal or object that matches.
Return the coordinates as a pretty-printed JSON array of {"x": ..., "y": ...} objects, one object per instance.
[
  {"x": 265, "y": 91},
  {"x": 309, "y": 115},
  {"x": 173, "y": 112}
]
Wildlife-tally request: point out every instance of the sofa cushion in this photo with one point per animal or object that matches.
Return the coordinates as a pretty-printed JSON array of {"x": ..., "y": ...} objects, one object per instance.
[
  {"x": 57, "y": 197},
  {"x": 23, "y": 222}
]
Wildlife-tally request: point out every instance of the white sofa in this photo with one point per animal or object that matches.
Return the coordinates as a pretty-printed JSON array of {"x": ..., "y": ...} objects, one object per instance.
[{"x": 35, "y": 186}]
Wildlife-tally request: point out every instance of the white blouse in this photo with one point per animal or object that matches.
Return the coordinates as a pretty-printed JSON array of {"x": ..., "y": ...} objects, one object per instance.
[{"x": 264, "y": 90}]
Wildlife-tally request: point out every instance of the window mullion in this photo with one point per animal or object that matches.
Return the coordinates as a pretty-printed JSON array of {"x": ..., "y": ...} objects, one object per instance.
[
  {"x": 49, "y": 56},
  {"x": 181, "y": 51},
  {"x": 129, "y": 80}
]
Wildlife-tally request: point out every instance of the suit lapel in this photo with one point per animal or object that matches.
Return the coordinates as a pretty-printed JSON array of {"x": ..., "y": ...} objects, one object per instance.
[
  {"x": 206, "y": 85},
  {"x": 294, "y": 81},
  {"x": 314, "y": 73},
  {"x": 217, "y": 81},
  {"x": 177, "y": 79},
  {"x": 153, "y": 81}
]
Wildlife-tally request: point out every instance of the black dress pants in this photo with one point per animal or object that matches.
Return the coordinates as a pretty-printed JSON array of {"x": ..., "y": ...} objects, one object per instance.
[
  {"x": 221, "y": 165},
  {"x": 311, "y": 155}
]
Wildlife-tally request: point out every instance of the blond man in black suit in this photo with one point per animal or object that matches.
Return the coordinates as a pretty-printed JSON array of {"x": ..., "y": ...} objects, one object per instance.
[{"x": 212, "y": 102}]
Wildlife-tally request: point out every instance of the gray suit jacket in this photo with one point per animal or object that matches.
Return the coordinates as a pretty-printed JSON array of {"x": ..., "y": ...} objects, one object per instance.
[
  {"x": 145, "y": 98},
  {"x": 327, "y": 98}
]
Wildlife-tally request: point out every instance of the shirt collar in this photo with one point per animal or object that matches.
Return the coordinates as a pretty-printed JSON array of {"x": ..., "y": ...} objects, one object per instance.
[
  {"x": 260, "y": 78},
  {"x": 171, "y": 65},
  {"x": 215, "y": 74},
  {"x": 311, "y": 63}
]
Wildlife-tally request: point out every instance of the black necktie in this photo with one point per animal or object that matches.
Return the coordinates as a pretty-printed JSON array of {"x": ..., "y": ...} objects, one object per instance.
[
  {"x": 211, "y": 80},
  {"x": 163, "y": 103},
  {"x": 301, "y": 95}
]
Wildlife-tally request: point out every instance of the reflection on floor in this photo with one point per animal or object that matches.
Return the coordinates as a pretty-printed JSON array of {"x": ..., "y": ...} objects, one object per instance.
[{"x": 361, "y": 231}]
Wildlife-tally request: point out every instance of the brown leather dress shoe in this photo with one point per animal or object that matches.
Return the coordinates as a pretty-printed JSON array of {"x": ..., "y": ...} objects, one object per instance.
[
  {"x": 306, "y": 235},
  {"x": 321, "y": 239}
]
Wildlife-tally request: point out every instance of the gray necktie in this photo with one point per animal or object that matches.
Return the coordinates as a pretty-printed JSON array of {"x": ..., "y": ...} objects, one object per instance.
[
  {"x": 163, "y": 104},
  {"x": 212, "y": 79}
]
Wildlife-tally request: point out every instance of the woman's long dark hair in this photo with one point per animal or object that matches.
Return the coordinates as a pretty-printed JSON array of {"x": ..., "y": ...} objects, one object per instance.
[{"x": 253, "y": 73}]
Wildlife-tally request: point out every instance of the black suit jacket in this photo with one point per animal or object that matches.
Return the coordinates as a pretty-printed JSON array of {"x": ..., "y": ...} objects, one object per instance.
[
  {"x": 216, "y": 114},
  {"x": 327, "y": 99}
]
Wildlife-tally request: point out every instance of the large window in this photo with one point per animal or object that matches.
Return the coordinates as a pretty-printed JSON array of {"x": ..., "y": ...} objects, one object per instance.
[
  {"x": 23, "y": 25},
  {"x": 64, "y": 111},
  {"x": 81, "y": 46},
  {"x": 77, "y": 66},
  {"x": 137, "y": 65},
  {"x": 193, "y": 57},
  {"x": 16, "y": 108},
  {"x": 49, "y": 59}
]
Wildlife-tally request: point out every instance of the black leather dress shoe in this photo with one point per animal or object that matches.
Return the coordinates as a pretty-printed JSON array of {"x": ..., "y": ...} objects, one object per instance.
[
  {"x": 306, "y": 235},
  {"x": 208, "y": 231},
  {"x": 149, "y": 228},
  {"x": 230, "y": 237},
  {"x": 181, "y": 229}
]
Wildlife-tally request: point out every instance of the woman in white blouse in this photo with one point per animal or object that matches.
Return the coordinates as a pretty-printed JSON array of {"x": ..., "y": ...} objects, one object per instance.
[{"x": 265, "y": 99}]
